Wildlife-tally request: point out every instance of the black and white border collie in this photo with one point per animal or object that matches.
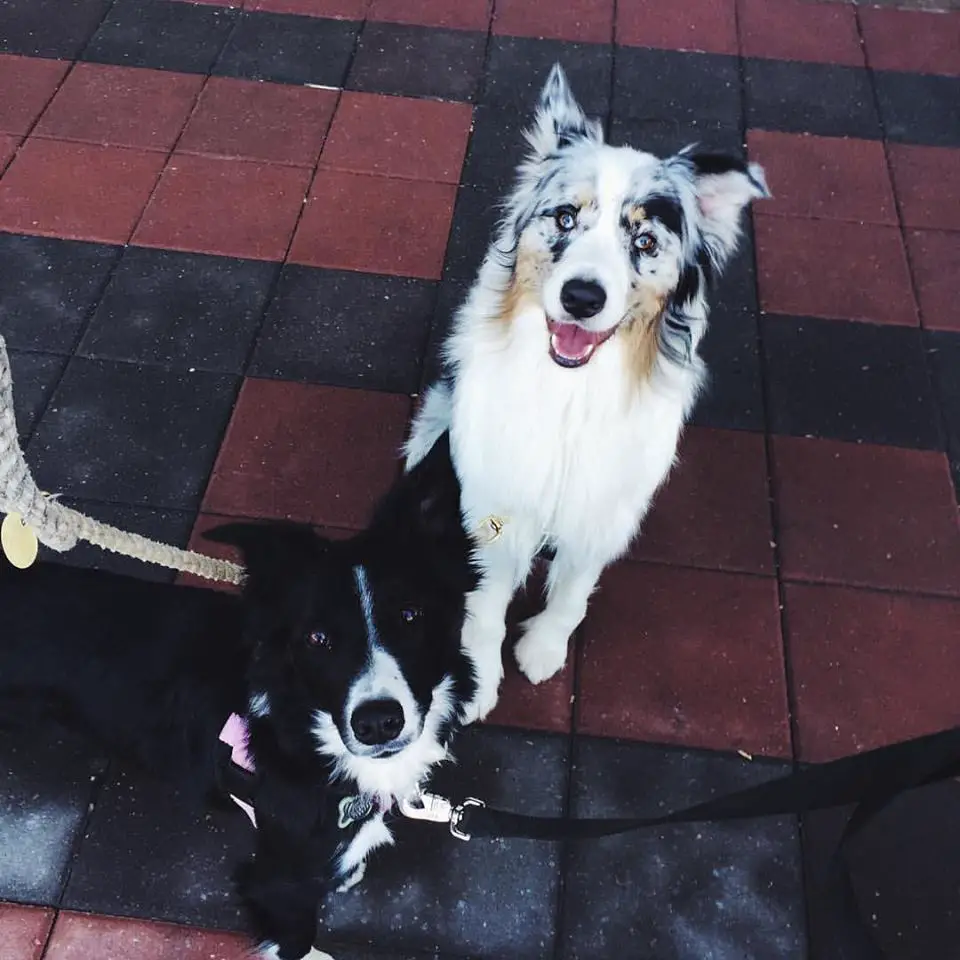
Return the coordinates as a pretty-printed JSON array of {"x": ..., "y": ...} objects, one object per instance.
[
  {"x": 340, "y": 666},
  {"x": 573, "y": 365}
]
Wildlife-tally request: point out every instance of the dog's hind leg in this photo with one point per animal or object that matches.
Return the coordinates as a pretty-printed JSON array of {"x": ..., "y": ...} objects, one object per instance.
[{"x": 542, "y": 650}]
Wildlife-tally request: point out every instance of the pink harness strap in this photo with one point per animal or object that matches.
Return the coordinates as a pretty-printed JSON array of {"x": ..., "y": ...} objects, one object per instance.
[{"x": 234, "y": 735}]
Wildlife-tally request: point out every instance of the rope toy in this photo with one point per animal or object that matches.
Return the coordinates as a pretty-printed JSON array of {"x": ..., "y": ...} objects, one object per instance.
[{"x": 59, "y": 527}]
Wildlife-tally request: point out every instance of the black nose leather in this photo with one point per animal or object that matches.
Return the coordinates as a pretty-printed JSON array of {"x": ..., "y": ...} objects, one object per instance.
[
  {"x": 582, "y": 298},
  {"x": 377, "y": 721}
]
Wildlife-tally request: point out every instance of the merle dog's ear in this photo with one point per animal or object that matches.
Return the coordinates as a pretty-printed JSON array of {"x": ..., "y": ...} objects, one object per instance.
[
  {"x": 559, "y": 119},
  {"x": 724, "y": 186},
  {"x": 271, "y": 553}
]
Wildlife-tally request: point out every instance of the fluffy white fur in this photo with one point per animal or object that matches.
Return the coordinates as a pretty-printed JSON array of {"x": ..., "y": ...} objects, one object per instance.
[{"x": 571, "y": 457}]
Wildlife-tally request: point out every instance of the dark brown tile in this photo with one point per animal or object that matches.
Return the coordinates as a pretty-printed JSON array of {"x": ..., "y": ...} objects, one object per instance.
[
  {"x": 398, "y": 137},
  {"x": 23, "y": 931},
  {"x": 798, "y": 30},
  {"x": 714, "y": 510},
  {"x": 868, "y": 668},
  {"x": 579, "y": 20},
  {"x": 846, "y": 271},
  {"x": 914, "y": 40},
  {"x": 398, "y": 227},
  {"x": 252, "y": 120},
  {"x": 866, "y": 515},
  {"x": 330, "y": 9},
  {"x": 706, "y": 26},
  {"x": 122, "y": 106},
  {"x": 463, "y": 15},
  {"x": 76, "y": 190},
  {"x": 320, "y": 455},
  {"x": 8, "y": 147},
  {"x": 233, "y": 208},
  {"x": 28, "y": 83},
  {"x": 935, "y": 262},
  {"x": 691, "y": 657},
  {"x": 79, "y": 936},
  {"x": 927, "y": 181},
  {"x": 830, "y": 178}
]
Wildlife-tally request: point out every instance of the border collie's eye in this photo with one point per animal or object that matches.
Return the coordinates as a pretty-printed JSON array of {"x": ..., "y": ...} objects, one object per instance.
[
  {"x": 318, "y": 638},
  {"x": 410, "y": 614},
  {"x": 645, "y": 243},
  {"x": 566, "y": 218}
]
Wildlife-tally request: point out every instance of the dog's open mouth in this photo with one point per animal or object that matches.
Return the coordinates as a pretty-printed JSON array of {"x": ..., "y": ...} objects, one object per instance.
[{"x": 571, "y": 345}]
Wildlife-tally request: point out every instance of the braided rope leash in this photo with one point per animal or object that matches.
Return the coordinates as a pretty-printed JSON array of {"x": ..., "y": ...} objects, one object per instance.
[{"x": 59, "y": 527}]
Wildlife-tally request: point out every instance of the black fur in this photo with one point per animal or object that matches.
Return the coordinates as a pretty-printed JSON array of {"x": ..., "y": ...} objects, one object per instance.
[{"x": 153, "y": 670}]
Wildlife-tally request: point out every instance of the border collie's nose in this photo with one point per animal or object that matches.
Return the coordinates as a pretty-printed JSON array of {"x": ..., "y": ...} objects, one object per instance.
[
  {"x": 377, "y": 721},
  {"x": 582, "y": 298}
]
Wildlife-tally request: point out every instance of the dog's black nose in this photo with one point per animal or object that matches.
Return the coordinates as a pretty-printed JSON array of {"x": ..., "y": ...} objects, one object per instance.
[
  {"x": 582, "y": 298},
  {"x": 377, "y": 721}
]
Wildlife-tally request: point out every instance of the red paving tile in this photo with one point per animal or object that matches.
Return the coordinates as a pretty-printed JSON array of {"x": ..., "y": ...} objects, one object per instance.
[
  {"x": 251, "y": 120},
  {"x": 334, "y": 9},
  {"x": 691, "y": 657},
  {"x": 27, "y": 83},
  {"x": 233, "y": 208},
  {"x": 583, "y": 20},
  {"x": 77, "y": 191},
  {"x": 866, "y": 515},
  {"x": 935, "y": 262},
  {"x": 707, "y": 26},
  {"x": 398, "y": 137},
  {"x": 832, "y": 178},
  {"x": 714, "y": 510},
  {"x": 78, "y": 936},
  {"x": 841, "y": 270},
  {"x": 912, "y": 40},
  {"x": 868, "y": 668},
  {"x": 799, "y": 30},
  {"x": 123, "y": 106},
  {"x": 927, "y": 181},
  {"x": 23, "y": 931},
  {"x": 398, "y": 227},
  {"x": 462, "y": 15},
  {"x": 319, "y": 455},
  {"x": 8, "y": 147}
]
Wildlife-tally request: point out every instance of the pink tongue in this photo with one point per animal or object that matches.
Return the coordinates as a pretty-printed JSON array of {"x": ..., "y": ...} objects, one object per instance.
[{"x": 572, "y": 340}]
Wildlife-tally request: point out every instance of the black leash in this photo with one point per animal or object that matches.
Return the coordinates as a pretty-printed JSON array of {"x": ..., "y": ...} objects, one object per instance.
[{"x": 869, "y": 780}]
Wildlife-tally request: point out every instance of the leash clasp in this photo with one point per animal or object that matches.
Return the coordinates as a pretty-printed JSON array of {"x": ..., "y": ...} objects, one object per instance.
[{"x": 436, "y": 809}]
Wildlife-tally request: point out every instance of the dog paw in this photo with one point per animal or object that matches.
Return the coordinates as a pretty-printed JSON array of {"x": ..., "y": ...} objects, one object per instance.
[
  {"x": 270, "y": 951},
  {"x": 481, "y": 705},
  {"x": 542, "y": 650}
]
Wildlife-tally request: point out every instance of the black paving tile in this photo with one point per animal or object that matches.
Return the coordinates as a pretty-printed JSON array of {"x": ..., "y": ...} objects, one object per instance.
[
  {"x": 818, "y": 98},
  {"x": 485, "y": 899},
  {"x": 48, "y": 288},
  {"x": 121, "y": 433},
  {"x": 849, "y": 381},
  {"x": 162, "y": 35},
  {"x": 46, "y": 786},
  {"x": 518, "y": 67},
  {"x": 346, "y": 329},
  {"x": 663, "y": 138},
  {"x": 187, "y": 310},
  {"x": 49, "y": 28},
  {"x": 34, "y": 377},
  {"x": 495, "y": 149},
  {"x": 704, "y": 890},
  {"x": 733, "y": 397},
  {"x": 919, "y": 108},
  {"x": 414, "y": 61},
  {"x": 288, "y": 49},
  {"x": 944, "y": 351},
  {"x": 165, "y": 526},
  {"x": 475, "y": 216},
  {"x": 905, "y": 868},
  {"x": 681, "y": 88},
  {"x": 151, "y": 852},
  {"x": 451, "y": 293}
]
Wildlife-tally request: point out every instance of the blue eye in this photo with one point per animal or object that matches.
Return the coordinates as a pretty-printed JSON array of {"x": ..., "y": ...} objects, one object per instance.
[
  {"x": 410, "y": 614},
  {"x": 566, "y": 218},
  {"x": 645, "y": 243}
]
